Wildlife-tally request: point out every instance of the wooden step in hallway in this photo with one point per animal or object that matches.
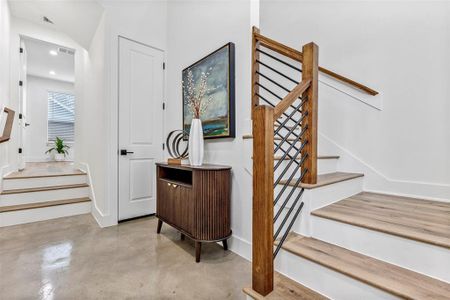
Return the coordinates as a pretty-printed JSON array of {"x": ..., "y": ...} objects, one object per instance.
[{"x": 42, "y": 191}]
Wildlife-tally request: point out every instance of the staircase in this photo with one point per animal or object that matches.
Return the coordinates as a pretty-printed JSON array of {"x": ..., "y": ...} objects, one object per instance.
[
  {"x": 43, "y": 191},
  {"x": 312, "y": 222}
]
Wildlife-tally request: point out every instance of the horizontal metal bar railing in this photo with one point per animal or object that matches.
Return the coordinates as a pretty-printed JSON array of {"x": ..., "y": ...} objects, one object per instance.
[
  {"x": 276, "y": 71},
  {"x": 277, "y": 181},
  {"x": 279, "y": 60},
  {"x": 280, "y": 243},
  {"x": 293, "y": 189}
]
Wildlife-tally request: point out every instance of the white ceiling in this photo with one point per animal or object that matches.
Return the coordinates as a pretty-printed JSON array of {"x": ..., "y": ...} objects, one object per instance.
[
  {"x": 40, "y": 62},
  {"x": 76, "y": 18}
]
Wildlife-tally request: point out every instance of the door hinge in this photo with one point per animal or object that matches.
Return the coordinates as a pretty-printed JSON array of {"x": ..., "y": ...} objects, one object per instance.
[
  {"x": 164, "y": 65},
  {"x": 164, "y": 105},
  {"x": 20, "y": 116},
  {"x": 20, "y": 50},
  {"x": 20, "y": 150},
  {"x": 164, "y": 146},
  {"x": 20, "y": 82}
]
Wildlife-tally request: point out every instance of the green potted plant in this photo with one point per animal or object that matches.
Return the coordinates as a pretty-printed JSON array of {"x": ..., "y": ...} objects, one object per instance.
[{"x": 60, "y": 148}]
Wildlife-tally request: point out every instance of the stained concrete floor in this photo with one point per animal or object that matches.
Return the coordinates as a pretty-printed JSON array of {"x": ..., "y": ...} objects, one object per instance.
[{"x": 72, "y": 258}]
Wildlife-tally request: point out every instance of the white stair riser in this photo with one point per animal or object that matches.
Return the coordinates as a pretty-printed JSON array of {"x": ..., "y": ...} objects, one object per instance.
[
  {"x": 325, "y": 281},
  {"x": 45, "y": 213},
  {"x": 420, "y": 257},
  {"x": 332, "y": 193},
  {"x": 42, "y": 196},
  {"x": 10, "y": 184},
  {"x": 325, "y": 166},
  {"x": 316, "y": 198}
]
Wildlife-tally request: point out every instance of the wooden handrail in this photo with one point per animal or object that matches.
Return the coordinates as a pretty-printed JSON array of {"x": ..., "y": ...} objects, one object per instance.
[
  {"x": 290, "y": 98},
  {"x": 8, "y": 125},
  {"x": 298, "y": 56}
]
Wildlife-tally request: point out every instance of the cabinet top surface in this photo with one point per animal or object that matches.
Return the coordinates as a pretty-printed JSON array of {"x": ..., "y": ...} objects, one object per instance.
[{"x": 205, "y": 167}]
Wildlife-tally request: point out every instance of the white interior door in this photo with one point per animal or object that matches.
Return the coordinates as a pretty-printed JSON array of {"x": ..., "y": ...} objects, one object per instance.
[
  {"x": 140, "y": 127},
  {"x": 22, "y": 124}
]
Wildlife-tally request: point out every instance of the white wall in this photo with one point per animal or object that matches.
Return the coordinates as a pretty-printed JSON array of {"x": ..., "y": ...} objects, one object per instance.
[
  {"x": 399, "y": 48},
  {"x": 4, "y": 73},
  {"x": 20, "y": 27},
  {"x": 91, "y": 124},
  {"x": 36, "y": 139},
  {"x": 144, "y": 22},
  {"x": 196, "y": 28}
]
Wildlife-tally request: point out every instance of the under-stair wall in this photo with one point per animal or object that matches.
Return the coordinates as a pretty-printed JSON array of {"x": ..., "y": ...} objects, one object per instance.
[{"x": 382, "y": 136}]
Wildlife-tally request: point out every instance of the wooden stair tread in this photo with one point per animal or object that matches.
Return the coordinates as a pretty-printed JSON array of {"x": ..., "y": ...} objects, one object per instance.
[
  {"x": 384, "y": 276},
  {"x": 15, "y": 176},
  {"x": 41, "y": 189},
  {"x": 421, "y": 220},
  {"x": 288, "y": 289},
  {"x": 43, "y": 204},
  {"x": 278, "y": 157},
  {"x": 326, "y": 179},
  {"x": 45, "y": 169}
]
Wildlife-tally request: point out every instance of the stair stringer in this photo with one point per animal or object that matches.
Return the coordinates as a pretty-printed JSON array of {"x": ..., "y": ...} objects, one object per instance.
[{"x": 375, "y": 181}]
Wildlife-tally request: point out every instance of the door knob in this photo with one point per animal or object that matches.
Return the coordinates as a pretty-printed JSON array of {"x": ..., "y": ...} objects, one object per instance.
[
  {"x": 27, "y": 124},
  {"x": 125, "y": 152}
]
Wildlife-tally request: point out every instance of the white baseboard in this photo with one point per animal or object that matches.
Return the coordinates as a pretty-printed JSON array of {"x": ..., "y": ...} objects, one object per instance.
[
  {"x": 375, "y": 181},
  {"x": 102, "y": 219},
  {"x": 241, "y": 247}
]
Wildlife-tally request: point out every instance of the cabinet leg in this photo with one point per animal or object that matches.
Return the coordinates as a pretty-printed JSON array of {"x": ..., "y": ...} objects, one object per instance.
[
  {"x": 158, "y": 230},
  {"x": 182, "y": 237},
  {"x": 225, "y": 245},
  {"x": 198, "y": 250}
]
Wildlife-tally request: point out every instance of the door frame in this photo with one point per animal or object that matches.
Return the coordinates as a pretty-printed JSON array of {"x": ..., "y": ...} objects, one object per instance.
[
  {"x": 115, "y": 121},
  {"x": 23, "y": 37}
]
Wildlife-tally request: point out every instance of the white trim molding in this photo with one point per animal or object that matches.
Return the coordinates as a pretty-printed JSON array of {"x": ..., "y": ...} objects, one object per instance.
[
  {"x": 102, "y": 219},
  {"x": 375, "y": 102},
  {"x": 376, "y": 181}
]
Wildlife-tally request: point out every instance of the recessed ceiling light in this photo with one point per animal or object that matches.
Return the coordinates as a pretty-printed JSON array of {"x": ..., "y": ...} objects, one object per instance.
[
  {"x": 52, "y": 72},
  {"x": 53, "y": 52}
]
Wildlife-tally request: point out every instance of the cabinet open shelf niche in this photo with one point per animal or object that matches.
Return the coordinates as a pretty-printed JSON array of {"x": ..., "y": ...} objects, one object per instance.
[{"x": 176, "y": 176}]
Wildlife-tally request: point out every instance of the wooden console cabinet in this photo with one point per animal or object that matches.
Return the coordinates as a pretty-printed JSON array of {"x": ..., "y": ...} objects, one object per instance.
[{"x": 195, "y": 201}]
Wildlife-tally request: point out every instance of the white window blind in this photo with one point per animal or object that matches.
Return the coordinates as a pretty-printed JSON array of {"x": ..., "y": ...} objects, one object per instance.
[{"x": 61, "y": 116}]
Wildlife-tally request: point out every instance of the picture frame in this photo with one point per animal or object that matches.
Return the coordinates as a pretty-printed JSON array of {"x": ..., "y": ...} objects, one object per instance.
[{"x": 218, "y": 119}]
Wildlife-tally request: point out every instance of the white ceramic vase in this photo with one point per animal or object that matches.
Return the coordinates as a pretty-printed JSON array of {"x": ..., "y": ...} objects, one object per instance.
[
  {"x": 196, "y": 143},
  {"x": 60, "y": 157}
]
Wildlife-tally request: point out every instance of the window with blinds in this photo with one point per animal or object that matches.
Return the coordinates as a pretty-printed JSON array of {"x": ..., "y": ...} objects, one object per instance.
[{"x": 61, "y": 116}]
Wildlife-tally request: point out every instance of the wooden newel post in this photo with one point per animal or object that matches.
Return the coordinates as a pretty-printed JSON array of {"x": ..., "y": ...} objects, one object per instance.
[
  {"x": 310, "y": 71},
  {"x": 262, "y": 246}
]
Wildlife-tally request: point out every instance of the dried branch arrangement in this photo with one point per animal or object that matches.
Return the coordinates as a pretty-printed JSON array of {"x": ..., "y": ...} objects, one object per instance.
[{"x": 194, "y": 98}]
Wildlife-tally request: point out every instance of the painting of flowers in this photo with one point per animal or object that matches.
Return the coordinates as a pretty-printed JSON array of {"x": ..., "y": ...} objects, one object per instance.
[{"x": 208, "y": 93}]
